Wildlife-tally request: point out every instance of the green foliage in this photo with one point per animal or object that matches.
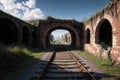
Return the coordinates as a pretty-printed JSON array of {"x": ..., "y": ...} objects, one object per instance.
[
  {"x": 34, "y": 22},
  {"x": 101, "y": 11},
  {"x": 50, "y": 18},
  {"x": 53, "y": 42},
  {"x": 14, "y": 58},
  {"x": 104, "y": 45},
  {"x": 105, "y": 65},
  {"x": 52, "y": 37}
]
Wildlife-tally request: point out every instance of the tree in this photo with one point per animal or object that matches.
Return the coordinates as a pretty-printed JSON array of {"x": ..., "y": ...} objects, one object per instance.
[{"x": 51, "y": 37}]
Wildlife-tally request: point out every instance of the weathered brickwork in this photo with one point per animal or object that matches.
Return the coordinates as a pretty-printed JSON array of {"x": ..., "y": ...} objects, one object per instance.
[
  {"x": 37, "y": 33},
  {"x": 110, "y": 14},
  {"x": 12, "y": 27},
  {"x": 74, "y": 27},
  {"x": 100, "y": 35}
]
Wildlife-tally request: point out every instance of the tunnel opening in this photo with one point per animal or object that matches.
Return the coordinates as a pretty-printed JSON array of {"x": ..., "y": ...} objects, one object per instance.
[
  {"x": 34, "y": 39},
  {"x": 60, "y": 36},
  {"x": 87, "y": 36},
  {"x": 25, "y": 36},
  {"x": 104, "y": 34},
  {"x": 70, "y": 36},
  {"x": 8, "y": 32}
]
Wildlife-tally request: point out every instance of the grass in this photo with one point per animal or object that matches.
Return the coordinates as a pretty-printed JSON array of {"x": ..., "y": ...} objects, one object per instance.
[
  {"x": 105, "y": 65},
  {"x": 13, "y": 59},
  {"x": 60, "y": 42}
]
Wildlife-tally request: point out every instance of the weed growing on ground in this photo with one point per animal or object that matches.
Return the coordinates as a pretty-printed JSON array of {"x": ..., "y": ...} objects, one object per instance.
[
  {"x": 14, "y": 58},
  {"x": 105, "y": 65}
]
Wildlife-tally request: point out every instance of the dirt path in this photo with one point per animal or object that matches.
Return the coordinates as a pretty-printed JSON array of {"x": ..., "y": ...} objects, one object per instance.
[
  {"x": 30, "y": 71},
  {"x": 93, "y": 68}
]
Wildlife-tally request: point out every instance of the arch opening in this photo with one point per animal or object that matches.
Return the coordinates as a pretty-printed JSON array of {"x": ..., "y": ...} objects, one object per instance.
[
  {"x": 25, "y": 36},
  {"x": 71, "y": 32},
  {"x": 104, "y": 34},
  {"x": 87, "y": 36},
  {"x": 8, "y": 31},
  {"x": 60, "y": 36}
]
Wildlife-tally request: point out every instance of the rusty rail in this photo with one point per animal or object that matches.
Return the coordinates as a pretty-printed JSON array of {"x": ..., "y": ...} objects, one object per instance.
[
  {"x": 42, "y": 75},
  {"x": 81, "y": 66},
  {"x": 51, "y": 58}
]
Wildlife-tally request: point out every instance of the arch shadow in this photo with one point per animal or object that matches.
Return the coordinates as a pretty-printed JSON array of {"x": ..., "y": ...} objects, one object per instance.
[{"x": 9, "y": 31}]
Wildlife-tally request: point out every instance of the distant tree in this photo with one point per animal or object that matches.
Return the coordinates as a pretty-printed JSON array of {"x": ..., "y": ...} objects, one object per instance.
[
  {"x": 50, "y": 18},
  {"x": 51, "y": 37},
  {"x": 66, "y": 39}
]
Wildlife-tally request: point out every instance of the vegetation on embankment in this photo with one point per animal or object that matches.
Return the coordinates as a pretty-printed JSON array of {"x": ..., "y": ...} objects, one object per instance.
[
  {"x": 105, "y": 65},
  {"x": 15, "y": 58},
  {"x": 60, "y": 42}
]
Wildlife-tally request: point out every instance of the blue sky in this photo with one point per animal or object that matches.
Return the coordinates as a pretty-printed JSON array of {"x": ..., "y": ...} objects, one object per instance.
[
  {"x": 74, "y": 9},
  {"x": 64, "y": 9}
]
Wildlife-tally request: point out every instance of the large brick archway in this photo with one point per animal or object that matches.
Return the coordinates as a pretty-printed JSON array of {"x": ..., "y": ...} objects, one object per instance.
[
  {"x": 73, "y": 34},
  {"x": 104, "y": 26},
  {"x": 75, "y": 28},
  {"x": 103, "y": 33},
  {"x": 14, "y": 30}
]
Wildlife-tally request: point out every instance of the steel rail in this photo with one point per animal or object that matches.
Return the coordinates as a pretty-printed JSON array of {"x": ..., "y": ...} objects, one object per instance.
[
  {"x": 51, "y": 58},
  {"x": 42, "y": 75},
  {"x": 84, "y": 69}
]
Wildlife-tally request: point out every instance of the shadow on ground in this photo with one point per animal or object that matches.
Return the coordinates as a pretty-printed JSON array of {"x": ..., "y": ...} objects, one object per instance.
[
  {"x": 12, "y": 63},
  {"x": 69, "y": 75}
]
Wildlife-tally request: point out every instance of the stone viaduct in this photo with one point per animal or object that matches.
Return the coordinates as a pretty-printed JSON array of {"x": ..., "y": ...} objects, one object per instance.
[
  {"x": 15, "y": 31},
  {"x": 75, "y": 28},
  {"x": 103, "y": 31},
  {"x": 99, "y": 35},
  {"x": 37, "y": 32}
]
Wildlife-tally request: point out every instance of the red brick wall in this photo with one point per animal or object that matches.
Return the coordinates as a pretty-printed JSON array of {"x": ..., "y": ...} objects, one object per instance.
[{"x": 112, "y": 14}]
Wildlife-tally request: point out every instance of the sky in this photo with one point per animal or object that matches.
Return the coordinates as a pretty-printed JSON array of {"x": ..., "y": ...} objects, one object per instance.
[
  {"x": 71, "y": 9},
  {"x": 58, "y": 33},
  {"x": 63, "y": 9}
]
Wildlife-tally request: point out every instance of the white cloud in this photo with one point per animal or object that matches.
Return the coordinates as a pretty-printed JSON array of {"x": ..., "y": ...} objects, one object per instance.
[
  {"x": 25, "y": 10},
  {"x": 33, "y": 14},
  {"x": 68, "y": 18},
  {"x": 30, "y": 3}
]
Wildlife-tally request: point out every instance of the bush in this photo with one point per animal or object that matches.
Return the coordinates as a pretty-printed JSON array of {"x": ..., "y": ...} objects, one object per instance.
[
  {"x": 104, "y": 45},
  {"x": 12, "y": 56}
]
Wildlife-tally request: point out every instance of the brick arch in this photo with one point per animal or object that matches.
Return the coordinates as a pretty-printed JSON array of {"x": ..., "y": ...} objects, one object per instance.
[
  {"x": 103, "y": 33},
  {"x": 9, "y": 31},
  {"x": 73, "y": 35},
  {"x": 74, "y": 30},
  {"x": 26, "y": 34},
  {"x": 87, "y": 36}
]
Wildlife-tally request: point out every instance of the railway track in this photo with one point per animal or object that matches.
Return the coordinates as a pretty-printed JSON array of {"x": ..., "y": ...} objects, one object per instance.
[{"x": 62, "y": 65}]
